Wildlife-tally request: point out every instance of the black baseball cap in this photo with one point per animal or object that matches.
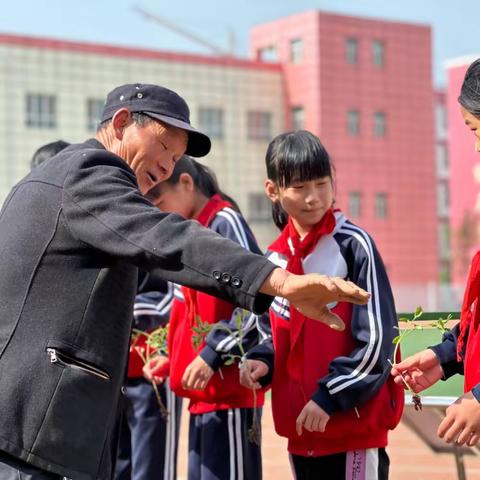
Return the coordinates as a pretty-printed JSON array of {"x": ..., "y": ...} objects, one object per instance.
[{"x": 161, "y": 104}]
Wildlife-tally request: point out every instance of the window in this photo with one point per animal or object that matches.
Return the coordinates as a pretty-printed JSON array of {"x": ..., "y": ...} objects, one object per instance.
[
  {"x": 298, "y": 118},
  {"x": 443, "y": 199},
  {"x": 441, "y": 121},
  {"x": 378, "y": 52},
  {"x": 41, "y": 111},
  {"x": 211, "y": 121},
  {"x": 268, "y": 54},
  {"x": 379, "y": 124},
  {"x": 259, "y": 125},
  {"x": 444, "y": 240},
  {"x": 353, "y": 123},
  {"x": 94, "y": 113},
  {"x": 351, "y": 51},
  {"x": 296, "y": 50},
  {"x": 381, "y": 205},
  {"x": 259, "y": 207},
  {"x": 442, "y": 160},
  {"x": 354, "y": 204}
]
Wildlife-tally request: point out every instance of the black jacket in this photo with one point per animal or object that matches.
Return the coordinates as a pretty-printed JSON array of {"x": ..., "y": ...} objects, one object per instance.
[{"x": 72, "y": 234}]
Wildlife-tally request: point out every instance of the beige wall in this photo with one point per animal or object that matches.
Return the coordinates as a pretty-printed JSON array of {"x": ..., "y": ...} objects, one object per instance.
[{"x": 73, "y": 77}]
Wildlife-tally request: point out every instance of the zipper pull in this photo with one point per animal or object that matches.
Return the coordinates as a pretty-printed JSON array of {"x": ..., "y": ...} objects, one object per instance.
[
  {"x": 53, "y": 355},
  {"x": 356, "y": 411}
]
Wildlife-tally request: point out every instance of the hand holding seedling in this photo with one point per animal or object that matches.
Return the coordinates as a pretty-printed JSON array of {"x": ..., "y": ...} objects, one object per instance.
[
  {"x": 154, "y": 369},
  {"x": 462, "y": 421},
  {"x": 420, "y": 371},
  {"x": 310, "y": 294},
  {"x": 313, "y": 418},
  {"x": 251, "y": 371},
  {"x": 197, "y": 374}
]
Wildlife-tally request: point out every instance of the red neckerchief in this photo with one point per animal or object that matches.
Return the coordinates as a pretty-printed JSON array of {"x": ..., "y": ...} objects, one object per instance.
[
  {"x": 295, "y": 249},
  {"x": 472, "y": 293},
  {"x": 214, "y": 205}
]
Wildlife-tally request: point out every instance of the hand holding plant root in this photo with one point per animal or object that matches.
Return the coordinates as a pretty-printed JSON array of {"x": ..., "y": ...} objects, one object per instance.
[
  {"x": 251, "y": 371},
  {"x": 154, "y": 359},
  {"x": 201, "y": 330},
  {"x": 421, "y": 370}
]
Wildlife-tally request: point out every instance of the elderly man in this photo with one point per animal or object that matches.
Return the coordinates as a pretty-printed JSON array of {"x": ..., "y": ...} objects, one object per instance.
[{"x": 72, "y": 235}]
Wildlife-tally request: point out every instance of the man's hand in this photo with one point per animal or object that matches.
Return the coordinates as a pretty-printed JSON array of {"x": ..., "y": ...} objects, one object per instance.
[
  {"x": 251, "y": 371},
  {"x": 313, "y": 418},
  {"x": 420, "y": 371},
  {"x": 462, "y": 421},
  {"x": 310, "y": 294},
  {"x": 197, "y": 374},
  {"x": 155, "y": 369}
]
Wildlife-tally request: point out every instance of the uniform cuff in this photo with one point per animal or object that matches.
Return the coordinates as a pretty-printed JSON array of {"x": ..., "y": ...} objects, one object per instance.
[
  {"x": 324, "y": 400},
  {"x": 212, "y": 358},
  {"x": 476, "y": 392}
]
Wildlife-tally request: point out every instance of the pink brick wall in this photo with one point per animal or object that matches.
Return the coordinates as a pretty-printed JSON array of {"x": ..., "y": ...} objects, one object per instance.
[{"x": 402, "y": 164}]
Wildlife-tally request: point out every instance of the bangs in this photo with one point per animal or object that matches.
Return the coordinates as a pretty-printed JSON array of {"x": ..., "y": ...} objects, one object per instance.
[{"x": 299, "y": 157}]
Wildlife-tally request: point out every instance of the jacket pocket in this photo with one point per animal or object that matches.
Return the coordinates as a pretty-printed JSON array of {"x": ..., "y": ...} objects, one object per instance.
[{"x": 65, "y": 359}]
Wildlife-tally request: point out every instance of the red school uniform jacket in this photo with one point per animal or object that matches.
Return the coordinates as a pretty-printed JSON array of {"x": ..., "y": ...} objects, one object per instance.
[
  {"x": 346, "y": 373},
  {"x": 223, "y": 390}
]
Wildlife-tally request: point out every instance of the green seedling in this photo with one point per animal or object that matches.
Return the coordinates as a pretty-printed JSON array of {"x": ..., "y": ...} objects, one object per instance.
[{"x": 412, "y": 325}]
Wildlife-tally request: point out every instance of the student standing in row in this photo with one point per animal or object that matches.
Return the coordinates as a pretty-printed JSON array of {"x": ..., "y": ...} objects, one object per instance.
[
  {"x": 332, "y": 395},
  {"x": 221, "y": 410}
]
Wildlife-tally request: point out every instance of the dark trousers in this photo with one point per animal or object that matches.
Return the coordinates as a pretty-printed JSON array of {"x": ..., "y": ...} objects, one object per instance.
[
  {"x": 148, "y": 442},
  {"x": 14, "y": 469},
  {"x": 219, "y": 448},
  {"x": 371, "y": 464}
]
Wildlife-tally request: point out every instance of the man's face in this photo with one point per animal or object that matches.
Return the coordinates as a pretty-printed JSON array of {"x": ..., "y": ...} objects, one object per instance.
[{"x": 151, "y": 151}]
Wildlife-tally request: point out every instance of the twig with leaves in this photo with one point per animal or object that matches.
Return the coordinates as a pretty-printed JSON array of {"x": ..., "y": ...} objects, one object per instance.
[
  {"x": 201, "y": 330},
  {"x": 156, "y": 342},
  {"x": 411, "y": 326}
]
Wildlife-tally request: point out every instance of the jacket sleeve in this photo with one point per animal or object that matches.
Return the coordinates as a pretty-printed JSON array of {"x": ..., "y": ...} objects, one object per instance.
[
  {"x": 447, "y": 353},
  {"x": 355, "y": 378},
  {"x": 242, "y": 327},
  {"x": 104, "y": 210}
]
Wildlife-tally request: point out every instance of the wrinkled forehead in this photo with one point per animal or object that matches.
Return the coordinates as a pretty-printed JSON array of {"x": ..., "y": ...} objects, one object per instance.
[{"x": 171, "y": 133}]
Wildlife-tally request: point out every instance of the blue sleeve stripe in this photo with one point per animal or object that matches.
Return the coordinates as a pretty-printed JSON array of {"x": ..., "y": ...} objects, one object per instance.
[
  {"x": 229, "y": 342},
  {"x": 233, "y": 219},
  {"x": 373, "y": 348}
]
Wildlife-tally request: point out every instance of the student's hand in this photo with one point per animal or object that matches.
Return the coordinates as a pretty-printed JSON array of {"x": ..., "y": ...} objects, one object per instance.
[
  {"x": 310, "y": 294},
  {"x": 462, "y": 421},
  {"x": 313, "y": 418},
  {"x": 197, "y": 374},
  {"x": 155, "y": 369},
  {"x": 420, "y": 371},
  {"x": 251, "y": 371}
]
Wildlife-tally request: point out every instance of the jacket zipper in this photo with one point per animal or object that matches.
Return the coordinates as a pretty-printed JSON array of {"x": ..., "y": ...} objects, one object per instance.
[{"x": 69, "y": 362}]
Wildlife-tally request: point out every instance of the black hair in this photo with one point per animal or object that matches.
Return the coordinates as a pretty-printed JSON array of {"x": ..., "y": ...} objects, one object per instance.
[
  {"x": 47, "y": 151},
  {"x": 470, "y": 93},
  {"x": 295, "y": 157},
  {"x": 203, "y": 178}
]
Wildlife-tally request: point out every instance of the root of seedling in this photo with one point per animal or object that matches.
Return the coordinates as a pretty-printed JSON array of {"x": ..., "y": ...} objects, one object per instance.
[
  {"x": 254, "y": 432},
  {"x": 163, "y": 409}
]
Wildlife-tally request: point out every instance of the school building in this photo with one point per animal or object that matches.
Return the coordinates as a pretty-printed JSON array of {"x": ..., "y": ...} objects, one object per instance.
[{"x": 363, "y": 85}]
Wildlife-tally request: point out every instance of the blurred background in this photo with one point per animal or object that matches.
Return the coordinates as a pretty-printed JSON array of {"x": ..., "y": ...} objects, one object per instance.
[{"x": 376, "y": 81}]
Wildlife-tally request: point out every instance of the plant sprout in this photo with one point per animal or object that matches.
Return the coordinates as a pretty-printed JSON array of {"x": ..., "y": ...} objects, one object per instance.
[{"x": 411, "y": 326}]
